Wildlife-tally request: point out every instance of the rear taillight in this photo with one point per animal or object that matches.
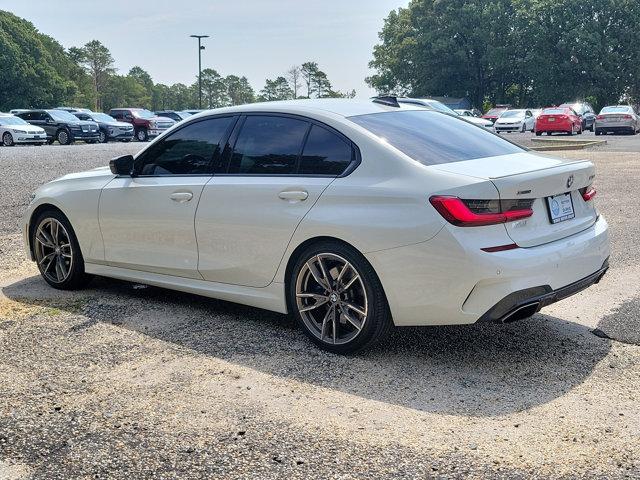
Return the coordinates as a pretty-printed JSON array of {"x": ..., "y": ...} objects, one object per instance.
[
  {"x": 600, "y": 117},
  {"x": 475, "y": 213},
  {"x": 588, "y": 193},
  {"x": 627, "y": 117}
]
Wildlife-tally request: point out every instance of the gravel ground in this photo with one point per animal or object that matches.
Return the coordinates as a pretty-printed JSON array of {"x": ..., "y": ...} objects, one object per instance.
[{"x": 128, "y": 381}]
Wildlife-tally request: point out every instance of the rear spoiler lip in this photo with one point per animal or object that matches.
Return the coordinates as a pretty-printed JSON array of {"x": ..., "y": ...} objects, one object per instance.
[{"x": 564, "y": 164}]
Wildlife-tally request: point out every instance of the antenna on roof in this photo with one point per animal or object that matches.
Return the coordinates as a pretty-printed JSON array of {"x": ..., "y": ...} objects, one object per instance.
[{"x": 389, "y": 100}]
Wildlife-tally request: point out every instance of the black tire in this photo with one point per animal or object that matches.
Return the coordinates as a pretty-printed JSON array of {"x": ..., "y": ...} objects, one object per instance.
[
  {"x": 375, "y": 325},
  {"x": 597, "y": 132},
  {"x": 126, "y": 140},
  {"x": 538, "y": 133},
  {"x": 102, "y": 137},
  {"x": 7, "y": 140},
  {"x": 142, "y": 135},
  {"x": 77, "y": 278},
  {"x": 63, "y": 137}
]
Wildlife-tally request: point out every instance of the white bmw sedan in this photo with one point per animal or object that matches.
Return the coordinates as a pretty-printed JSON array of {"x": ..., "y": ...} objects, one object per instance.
[{"x": 353, "y": 216}]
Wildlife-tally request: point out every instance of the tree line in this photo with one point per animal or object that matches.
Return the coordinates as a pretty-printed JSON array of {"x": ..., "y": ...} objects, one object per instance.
[
  {"x": 524, "y": 52},
  {"x": 39, "y": 72}
]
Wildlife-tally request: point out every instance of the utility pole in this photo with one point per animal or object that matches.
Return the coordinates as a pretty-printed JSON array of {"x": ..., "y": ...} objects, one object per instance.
[{"x": 200, "y": 48}]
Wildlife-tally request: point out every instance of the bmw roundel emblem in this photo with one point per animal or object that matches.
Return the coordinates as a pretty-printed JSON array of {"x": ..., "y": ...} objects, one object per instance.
[{"x": 569, "y": 181}]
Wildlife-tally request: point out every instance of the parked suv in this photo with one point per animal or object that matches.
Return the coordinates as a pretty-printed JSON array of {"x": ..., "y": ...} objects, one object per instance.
[
  {"x": 586, "y": 112},
  {"x": 145, "y": 123},
  {"x": 110, "y": 128},
  {"x": 173, "y": 115},
  {"x": 62, "y": 126}
]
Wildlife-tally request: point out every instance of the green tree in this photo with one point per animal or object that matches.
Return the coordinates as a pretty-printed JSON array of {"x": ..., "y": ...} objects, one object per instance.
[
  {"x": 294, "y": 77},
  {"x": 214, "y": 89},
  {"x": 239, "y": 90},
  {"x": 124, "y": 91},
  {"x": 32, "y": 67},
  {"x": 277, "y": 89},
  {"x": 99, "y": 64},
  {"x": 527, "y": 52}
]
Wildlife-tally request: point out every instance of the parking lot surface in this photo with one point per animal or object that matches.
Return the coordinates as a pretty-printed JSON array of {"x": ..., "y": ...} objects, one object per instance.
[{"x": 127, "y": 381}]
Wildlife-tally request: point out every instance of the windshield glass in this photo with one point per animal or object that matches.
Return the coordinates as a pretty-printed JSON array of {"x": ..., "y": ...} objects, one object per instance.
[
  {"x": 616, "y": 110},
  {"x": 577, "y": 107},
  {"x": 12, "y": 121},
  {"x": 512, "y": 114},
  {"x": 555, "y": 111},
  {"x": 441, "y": 107},
  {"x": 62, "y": 116},
  {"x": 432, "y": 138},
  {"x": 102, "y": 117},
  {"x": 184, "y": 115},
  {"x": 142, "y": 113},
  {"x": 495, "y": 111}
]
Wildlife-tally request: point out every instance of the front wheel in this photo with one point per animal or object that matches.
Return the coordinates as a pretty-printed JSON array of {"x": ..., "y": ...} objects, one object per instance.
[
  {"x": 142, "y": 135},
  {"x": 63, "y": 137},
  {"x": 7, "y": 139},
  {"x": 57, "y": 252},
  {"x": 102, "y": 137},
  {"x": 338, "y": 299},
  {"x": 538, "y": 133}
]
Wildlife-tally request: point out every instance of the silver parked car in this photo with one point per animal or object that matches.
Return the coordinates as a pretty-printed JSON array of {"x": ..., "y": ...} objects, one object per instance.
[{"x": 617, "y": 119}]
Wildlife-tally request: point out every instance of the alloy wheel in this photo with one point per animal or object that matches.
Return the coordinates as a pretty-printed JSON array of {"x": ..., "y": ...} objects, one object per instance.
[
  {"x": 63, "y": 138},
  {"x": 7, "y": 139},
  {"x": 102, "y": 137},
  {"x": 53, "y": 252},
  {"x": 331, "y": 298}
]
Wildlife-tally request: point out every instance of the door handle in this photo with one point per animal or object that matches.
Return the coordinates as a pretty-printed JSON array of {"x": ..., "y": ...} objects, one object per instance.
[
  {"x": 293, "y": 195},
  {"x": 181, "y": 197}
]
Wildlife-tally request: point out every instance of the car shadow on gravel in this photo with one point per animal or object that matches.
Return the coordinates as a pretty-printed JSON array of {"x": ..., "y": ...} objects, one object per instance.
[{"x": 474, "y": 370}]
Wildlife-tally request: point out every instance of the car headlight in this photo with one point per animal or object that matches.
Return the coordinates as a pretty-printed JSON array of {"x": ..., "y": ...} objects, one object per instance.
[
  {"x": 153, "y": 124},
  {"x": 111, "y": 130},
  {"x": 18, "y": 131}
]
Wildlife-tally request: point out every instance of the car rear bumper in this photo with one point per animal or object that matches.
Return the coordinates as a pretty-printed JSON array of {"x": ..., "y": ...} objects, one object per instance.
[
  {"x": 555, "y": 127},
  {"x": 450, "y": 280},
  {"x": 613, "y": 126},
  {"x": 524, "y": 303}
]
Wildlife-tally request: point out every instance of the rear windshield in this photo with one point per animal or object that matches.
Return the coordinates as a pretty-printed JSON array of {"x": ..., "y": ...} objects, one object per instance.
[
  {"x": 616, "y": 110},
  {"x": 554, "y": 111},
  {"x": 434, "y": 138}
]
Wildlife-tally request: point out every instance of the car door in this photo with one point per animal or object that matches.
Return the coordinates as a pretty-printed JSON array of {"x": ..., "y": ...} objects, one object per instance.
[
  {"x": 275, "y": 170},
  {"x": 147, "y": 219}
]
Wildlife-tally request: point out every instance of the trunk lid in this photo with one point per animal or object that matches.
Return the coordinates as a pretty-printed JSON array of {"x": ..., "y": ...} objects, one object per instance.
[{"x": 532, "y": 176}]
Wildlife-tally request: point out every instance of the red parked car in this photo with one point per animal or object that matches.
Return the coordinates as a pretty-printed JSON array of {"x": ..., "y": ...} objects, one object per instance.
[
  {"x": 558, "y": 119},
  {"x": 495, "y": 112}
]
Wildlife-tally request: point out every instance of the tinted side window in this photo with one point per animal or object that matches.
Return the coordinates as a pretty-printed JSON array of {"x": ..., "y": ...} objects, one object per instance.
[
  {"x": 324, "y": 153},
  {"x": 432, "y": 138},
  {"x": 188, "y": 151},
  {"x": 268, "y": 145}
]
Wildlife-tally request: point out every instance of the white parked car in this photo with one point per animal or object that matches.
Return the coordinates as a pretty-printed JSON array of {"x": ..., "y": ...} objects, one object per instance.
[
  {"x": 14, "y": 130},
  {"x": 350, "y": 215},
  {"x": 516, "y": 120},
  {"x": 441, "y": 107}
]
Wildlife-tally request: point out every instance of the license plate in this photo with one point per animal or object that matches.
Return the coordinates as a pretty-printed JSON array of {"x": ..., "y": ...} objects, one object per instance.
[
  {"x": 560, "y": 208},
  {"x": 552, "y": 119}
]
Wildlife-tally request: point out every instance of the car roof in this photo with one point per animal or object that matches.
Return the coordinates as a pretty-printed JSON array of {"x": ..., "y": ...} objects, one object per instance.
[{"x": 339, "y": 106}]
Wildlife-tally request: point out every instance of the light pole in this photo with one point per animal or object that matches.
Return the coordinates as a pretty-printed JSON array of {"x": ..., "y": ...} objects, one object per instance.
[{"x": 200, "y": 48}]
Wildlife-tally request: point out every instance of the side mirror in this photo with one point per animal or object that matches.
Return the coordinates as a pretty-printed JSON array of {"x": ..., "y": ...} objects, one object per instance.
[{"x": 122, "y": 165}]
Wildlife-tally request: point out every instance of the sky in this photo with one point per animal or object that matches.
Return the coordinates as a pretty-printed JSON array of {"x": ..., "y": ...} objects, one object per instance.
[{"x": 256, "y": 38}]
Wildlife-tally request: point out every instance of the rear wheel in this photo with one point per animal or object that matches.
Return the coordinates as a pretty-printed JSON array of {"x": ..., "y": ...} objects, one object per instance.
[
  {"x": 538, "y": 134},
  {"x": 7, "y": 139},
  {"x": 337, "y": 298},
  {"x": 57, "y": 252}
]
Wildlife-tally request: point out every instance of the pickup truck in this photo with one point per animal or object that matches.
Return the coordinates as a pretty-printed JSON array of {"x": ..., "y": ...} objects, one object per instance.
[{"x": 146, "y": 124}]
